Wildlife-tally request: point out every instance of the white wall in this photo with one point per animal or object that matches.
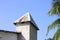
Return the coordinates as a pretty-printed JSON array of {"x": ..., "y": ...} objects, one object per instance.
[
  {"x": 28, "y": 31},
  {"x": 8, "y": 36},
  {"x": 24, "y": 28},
  {"x": 33, "y": 33}
]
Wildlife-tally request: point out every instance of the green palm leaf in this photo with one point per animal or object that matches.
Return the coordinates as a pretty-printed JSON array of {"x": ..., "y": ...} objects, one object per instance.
[
  {"x": 55, "y": 10},
  {"x": 54, "y": 24},
  {"x": 57, "y": 34}
]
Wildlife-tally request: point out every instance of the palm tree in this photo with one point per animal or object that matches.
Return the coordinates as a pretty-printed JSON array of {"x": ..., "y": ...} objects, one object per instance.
[{"x": 55, "y": 10}]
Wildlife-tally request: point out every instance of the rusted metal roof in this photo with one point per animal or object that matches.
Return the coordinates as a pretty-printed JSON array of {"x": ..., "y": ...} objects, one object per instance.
[{"x": 25, "y": 18}]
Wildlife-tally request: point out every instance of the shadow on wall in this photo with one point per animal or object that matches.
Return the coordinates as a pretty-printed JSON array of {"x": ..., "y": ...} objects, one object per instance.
[{"x": 20, "y": 37}]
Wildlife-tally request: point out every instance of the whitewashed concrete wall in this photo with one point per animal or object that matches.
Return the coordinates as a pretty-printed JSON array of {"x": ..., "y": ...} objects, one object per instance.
[
  {"x": 8, "y": 36},
  {"x": 28, "y": 31},
  {"x": 33, "y": 33},
  {"x": 24, "y": 28}
]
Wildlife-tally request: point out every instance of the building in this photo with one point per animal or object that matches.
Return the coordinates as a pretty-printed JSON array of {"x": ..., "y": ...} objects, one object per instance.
[{"x": 26, "y": 29}]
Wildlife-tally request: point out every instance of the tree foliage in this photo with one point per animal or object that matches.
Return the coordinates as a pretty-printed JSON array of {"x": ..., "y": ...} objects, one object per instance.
[{"x": 55, "y": 10}]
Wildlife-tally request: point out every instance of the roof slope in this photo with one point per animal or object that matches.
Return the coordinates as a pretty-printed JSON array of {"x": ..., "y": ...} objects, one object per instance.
[
  {"x": 25, "y": 18},
  {"x": 9, "y": 31}
]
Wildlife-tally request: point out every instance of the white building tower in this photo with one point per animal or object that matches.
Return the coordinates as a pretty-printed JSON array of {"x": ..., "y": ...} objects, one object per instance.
[{"x": 27, "y": 27}]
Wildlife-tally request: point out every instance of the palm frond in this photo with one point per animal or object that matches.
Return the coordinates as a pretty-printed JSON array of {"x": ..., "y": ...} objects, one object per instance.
[
  {"x": 57, "y": 34},
  {"x": 55, "y": 10},
  {"x": 56, "y": 0},
  {"x": 51, "y": 26}
]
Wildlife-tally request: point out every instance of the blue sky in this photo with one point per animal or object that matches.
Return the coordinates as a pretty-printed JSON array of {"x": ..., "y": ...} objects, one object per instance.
[{"x": 10, "y": 10}]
